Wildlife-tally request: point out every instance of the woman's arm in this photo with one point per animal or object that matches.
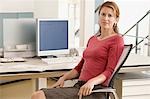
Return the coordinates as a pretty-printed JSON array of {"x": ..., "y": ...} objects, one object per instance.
[{"x": 69, "y": 75}]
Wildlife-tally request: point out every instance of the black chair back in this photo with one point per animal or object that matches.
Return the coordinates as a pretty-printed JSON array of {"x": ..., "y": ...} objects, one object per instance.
[{"x": 122, "y": 59}]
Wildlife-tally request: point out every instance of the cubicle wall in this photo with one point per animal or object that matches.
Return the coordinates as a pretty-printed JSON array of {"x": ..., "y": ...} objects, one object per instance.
[
  {"x": 19, "y": 37},
  {"x": 18, "y": 32},
  {"x": 11, "y": 35},
  {"x": 11, "y": 16}
]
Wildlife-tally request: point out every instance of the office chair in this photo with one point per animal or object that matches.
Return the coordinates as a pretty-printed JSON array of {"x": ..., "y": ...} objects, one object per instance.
[{"x": 109, "y": 88}]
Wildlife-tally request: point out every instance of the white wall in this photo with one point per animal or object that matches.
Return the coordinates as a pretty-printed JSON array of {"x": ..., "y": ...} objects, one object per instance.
[
  {"x": 46, "y": 8},
  {"x": 16, "y": 6},
  {"x": 131, "y": 12},
  {"x": 41, "y": 8},
  {"x": 63, "y": 8},
  {"x": 97, "y": 3},
  {"x": 87, "y": 15}
]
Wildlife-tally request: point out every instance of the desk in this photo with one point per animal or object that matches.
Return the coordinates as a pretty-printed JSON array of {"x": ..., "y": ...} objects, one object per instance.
[
  {"x": 41, "y": 76},
  {"x": 33, "y": 69}
]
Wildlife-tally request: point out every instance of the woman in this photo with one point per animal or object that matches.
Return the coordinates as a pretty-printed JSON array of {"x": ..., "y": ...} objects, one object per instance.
[{"x": 98, "y": 62}]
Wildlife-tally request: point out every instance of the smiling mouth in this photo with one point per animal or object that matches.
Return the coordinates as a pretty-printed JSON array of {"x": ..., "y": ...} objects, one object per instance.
[{"x": 105, "y": 23}]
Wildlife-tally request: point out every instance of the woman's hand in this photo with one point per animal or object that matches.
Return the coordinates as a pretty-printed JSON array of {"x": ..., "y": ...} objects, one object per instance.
[
  {"x": 69, "y": 75},
  {"x": 86, "y": 89},
  {"x": 59, "y": 83}
]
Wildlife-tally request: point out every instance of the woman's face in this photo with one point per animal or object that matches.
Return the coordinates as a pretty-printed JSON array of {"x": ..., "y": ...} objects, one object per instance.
[{"x": 107, "y": 18}]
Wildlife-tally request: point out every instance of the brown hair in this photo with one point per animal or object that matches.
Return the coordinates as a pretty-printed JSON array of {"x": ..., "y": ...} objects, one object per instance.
[{"x": 115, "y": 8}]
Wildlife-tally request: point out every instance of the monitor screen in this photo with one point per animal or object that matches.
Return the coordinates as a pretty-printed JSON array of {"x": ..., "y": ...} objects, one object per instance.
[{"x": 52, "y": 37}]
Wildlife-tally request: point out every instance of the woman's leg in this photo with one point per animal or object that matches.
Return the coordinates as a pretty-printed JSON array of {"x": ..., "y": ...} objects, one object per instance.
[
  {"x": 64, "y": 93},
  {"x": 38, "y": 95}
]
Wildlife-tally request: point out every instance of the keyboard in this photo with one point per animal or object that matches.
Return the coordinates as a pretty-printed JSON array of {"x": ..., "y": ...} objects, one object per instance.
[
  {"x": 12, "y": 59},
  {"x": 62, "y": 60}
]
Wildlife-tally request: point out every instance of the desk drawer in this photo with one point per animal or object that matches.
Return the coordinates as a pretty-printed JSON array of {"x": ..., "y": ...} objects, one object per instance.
[
  {"x": 136, "y": 87},
  {"x": 136, "y": 90}
]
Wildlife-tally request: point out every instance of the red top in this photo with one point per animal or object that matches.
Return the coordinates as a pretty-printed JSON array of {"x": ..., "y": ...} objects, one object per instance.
[{"x": 100, "y": 57}]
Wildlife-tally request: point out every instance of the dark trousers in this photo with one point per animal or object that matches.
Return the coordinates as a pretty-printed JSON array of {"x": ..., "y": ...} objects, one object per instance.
[{"x": 71, "y": 92}]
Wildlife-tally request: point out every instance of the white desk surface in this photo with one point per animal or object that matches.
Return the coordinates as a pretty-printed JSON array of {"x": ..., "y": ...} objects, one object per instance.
[
  {"x": 137, "y": 60},
  {"x": 34, "y": 65},
  {"x": 135, "y": 63}
]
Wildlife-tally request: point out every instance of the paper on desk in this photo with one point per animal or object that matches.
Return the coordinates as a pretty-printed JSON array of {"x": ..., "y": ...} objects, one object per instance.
[
  {"x": 20, "y": 68},
  {"x": 61, "y": 66},
  {"x": 38, "y": 68}
]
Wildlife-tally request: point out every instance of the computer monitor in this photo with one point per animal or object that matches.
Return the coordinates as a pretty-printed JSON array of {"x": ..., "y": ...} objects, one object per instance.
[{"x": 52, "y": 37}]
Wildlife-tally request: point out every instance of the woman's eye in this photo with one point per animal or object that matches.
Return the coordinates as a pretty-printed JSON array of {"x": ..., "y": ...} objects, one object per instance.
[
  {"x": 109, "y": 15},
  {"x": 103, "y": 14}
]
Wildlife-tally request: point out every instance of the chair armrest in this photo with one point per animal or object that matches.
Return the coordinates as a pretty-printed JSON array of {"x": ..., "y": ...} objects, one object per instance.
[{"x": 108, "y": 90}]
